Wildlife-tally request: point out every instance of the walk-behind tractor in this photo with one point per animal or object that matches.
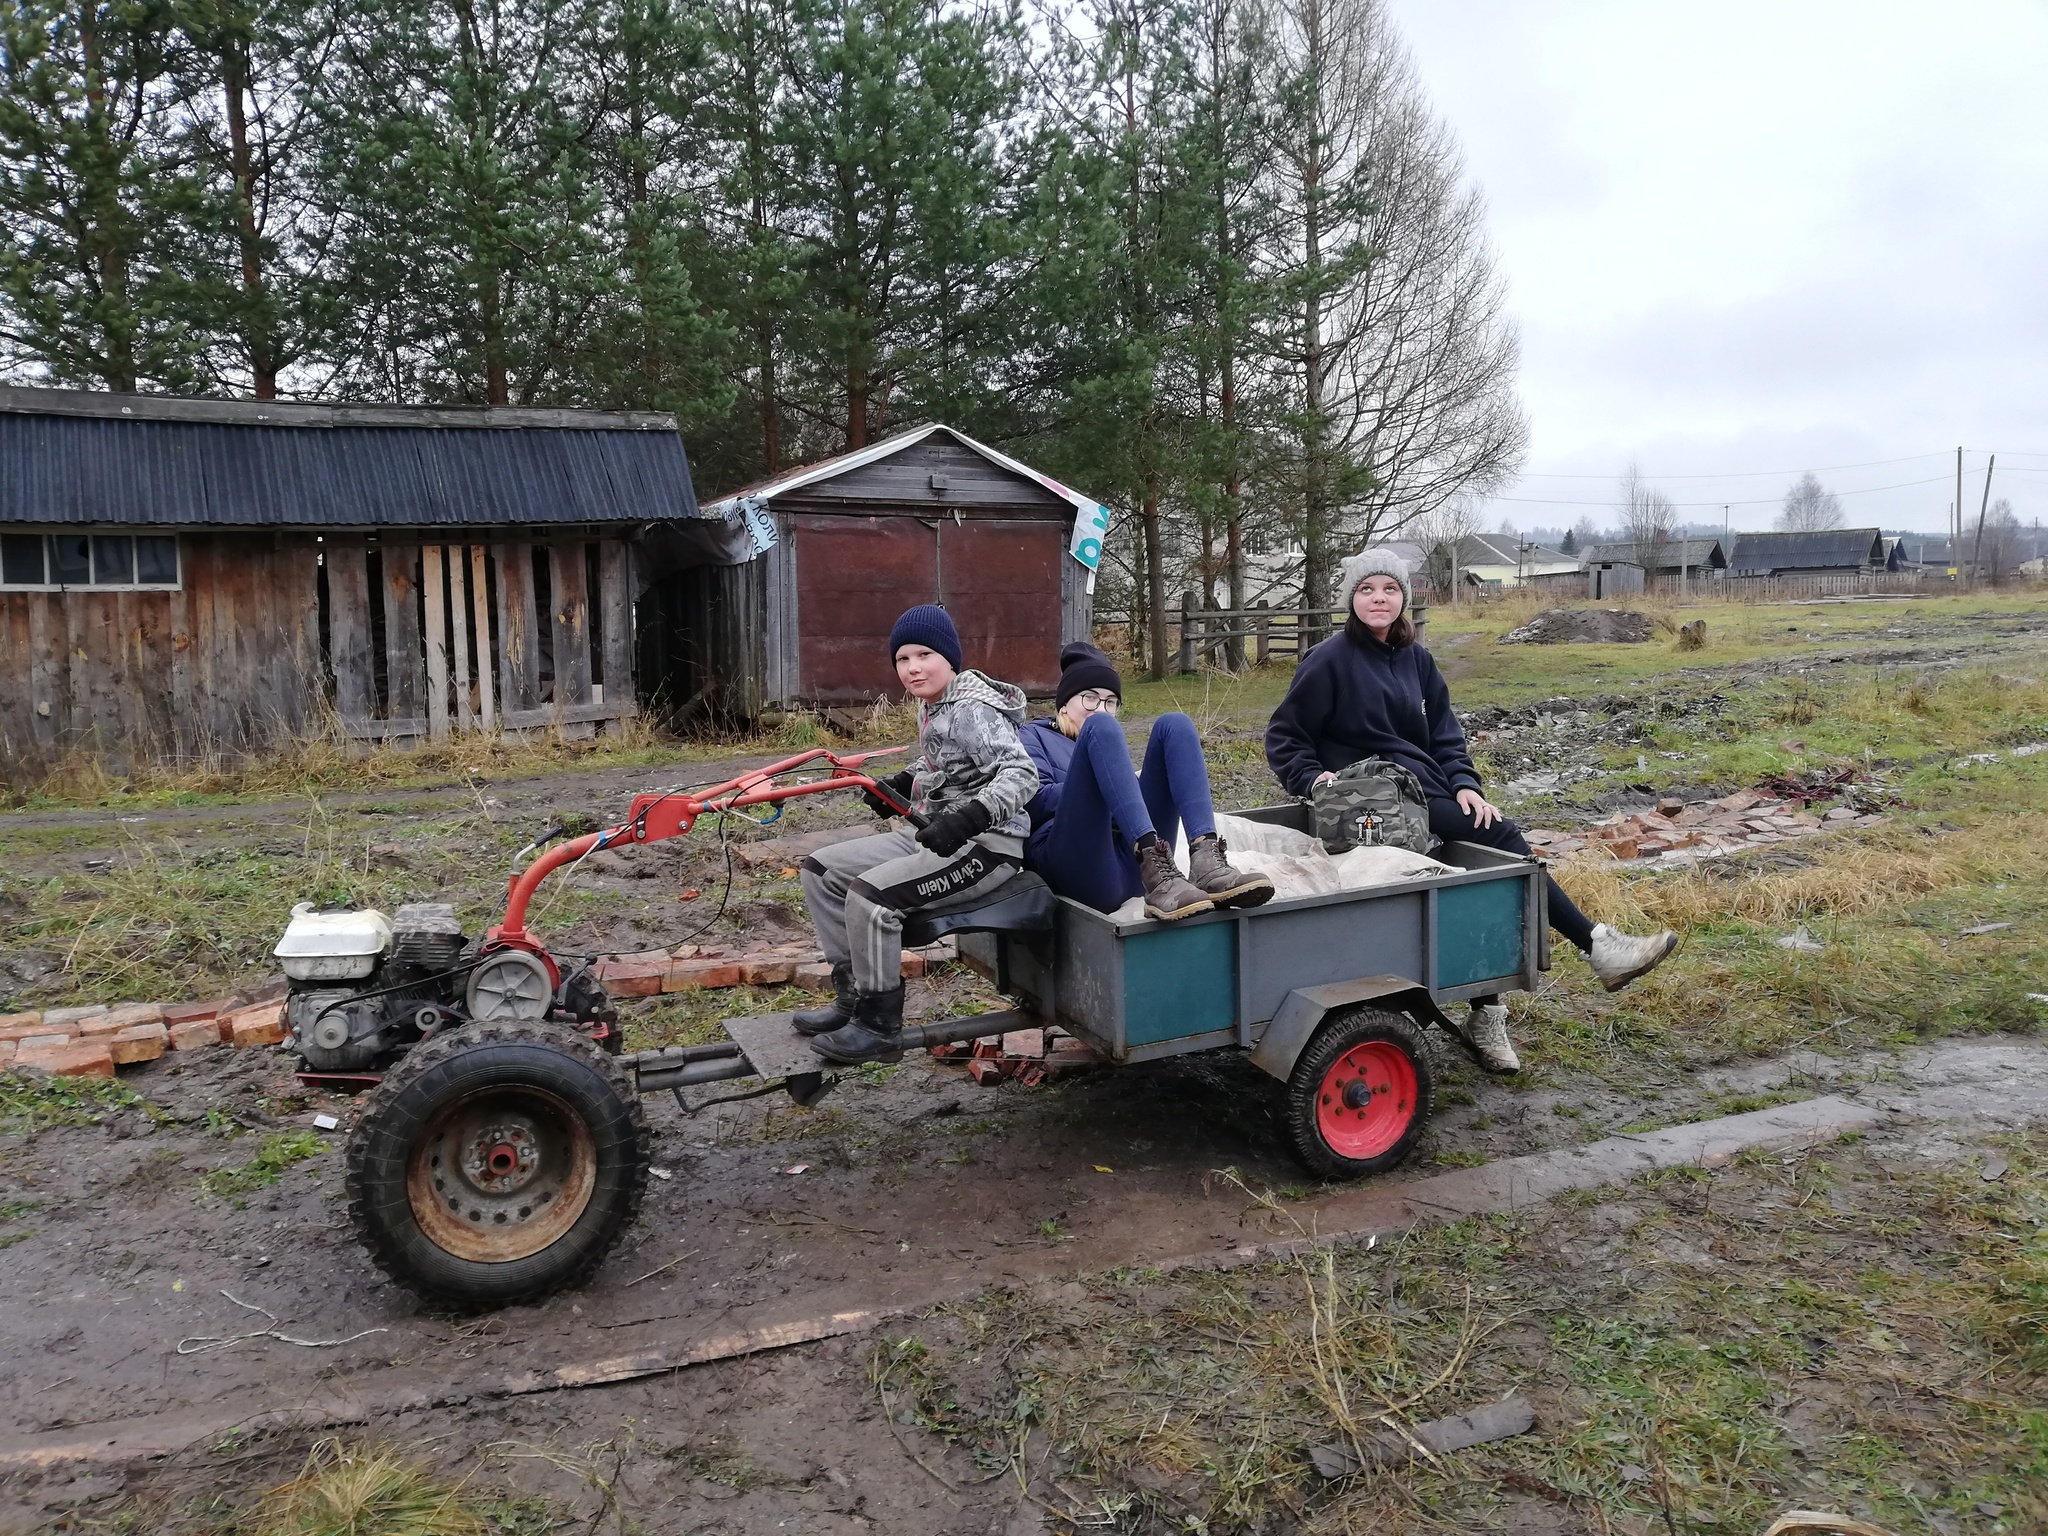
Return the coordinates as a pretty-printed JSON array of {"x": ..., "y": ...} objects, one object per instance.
[{"x": 502, "y": 1149}]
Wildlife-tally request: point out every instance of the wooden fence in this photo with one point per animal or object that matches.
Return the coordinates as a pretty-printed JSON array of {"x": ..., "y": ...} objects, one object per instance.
[
  {"x": 425, "y": 640},
  {"x": 1255, "y": 635}
]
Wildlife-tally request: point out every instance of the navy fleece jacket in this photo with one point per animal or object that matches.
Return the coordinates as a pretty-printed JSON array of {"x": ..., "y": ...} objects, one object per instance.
[{"x": 1357, "y": 698}]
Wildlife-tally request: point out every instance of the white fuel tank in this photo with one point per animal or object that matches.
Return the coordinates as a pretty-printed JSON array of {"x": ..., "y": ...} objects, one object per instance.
[{"x": 332, "y": 946}]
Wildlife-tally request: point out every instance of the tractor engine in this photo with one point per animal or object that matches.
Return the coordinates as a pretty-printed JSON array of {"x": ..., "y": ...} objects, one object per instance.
[{"x": 364, "y": 986}]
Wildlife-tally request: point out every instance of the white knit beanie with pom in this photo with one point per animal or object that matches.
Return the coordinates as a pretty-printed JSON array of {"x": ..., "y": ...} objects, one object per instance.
[{"x": 1379, "y": 561}]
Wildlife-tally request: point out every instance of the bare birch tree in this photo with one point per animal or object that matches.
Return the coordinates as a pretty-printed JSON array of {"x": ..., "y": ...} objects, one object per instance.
[
  {"x": 1396, "y": 346},
  {"x": 1810, "y": 507},
  {"x": 1647, "y": 514}
]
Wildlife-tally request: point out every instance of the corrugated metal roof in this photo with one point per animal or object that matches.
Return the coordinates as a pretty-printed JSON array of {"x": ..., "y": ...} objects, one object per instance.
[
  {"x": 1670, "y": 555},
  {"x": 1807, "y": 551},
  {"x": 1499, "y": 549},
  {"x": 151, "y": 461}
]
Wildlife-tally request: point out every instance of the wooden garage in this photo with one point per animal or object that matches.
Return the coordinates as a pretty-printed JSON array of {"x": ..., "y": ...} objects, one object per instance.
[
  {"x": 845, "y": 546},
  {"x": 186, "y": 577}
]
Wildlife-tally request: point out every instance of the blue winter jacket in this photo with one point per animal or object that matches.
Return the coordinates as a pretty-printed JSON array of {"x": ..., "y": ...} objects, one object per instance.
[
  {"x": 1052, "y": 752},
  {"x": 1358, "y": 698}
]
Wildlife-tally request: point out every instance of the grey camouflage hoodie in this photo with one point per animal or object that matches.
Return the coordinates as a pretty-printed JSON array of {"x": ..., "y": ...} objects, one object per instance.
[{"x": 968, "y": 749}]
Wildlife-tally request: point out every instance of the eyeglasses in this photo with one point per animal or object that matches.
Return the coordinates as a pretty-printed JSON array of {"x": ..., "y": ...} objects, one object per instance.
[{"x": 1096, "y": 698}]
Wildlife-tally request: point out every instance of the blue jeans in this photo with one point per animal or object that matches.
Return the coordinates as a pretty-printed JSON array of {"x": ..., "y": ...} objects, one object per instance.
[{"x": 1085, "y": 851}]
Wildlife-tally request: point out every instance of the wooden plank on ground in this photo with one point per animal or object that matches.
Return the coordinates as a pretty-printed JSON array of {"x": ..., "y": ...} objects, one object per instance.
[
  {"x": 434, "y": 587},
  {"x": 569, "y": 584},
  {"x": 403, "y": 662},
  {"x": 458, "y": 628},
  {"x": 518, "y": 629},
  {"x": 486, "y": 664},
  {"x": 348, "y": 630},
  {"x": 615, "y": 611}
]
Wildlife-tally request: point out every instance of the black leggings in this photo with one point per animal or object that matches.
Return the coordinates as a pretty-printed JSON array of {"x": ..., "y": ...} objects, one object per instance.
[{"x": 1449, "y": 822}]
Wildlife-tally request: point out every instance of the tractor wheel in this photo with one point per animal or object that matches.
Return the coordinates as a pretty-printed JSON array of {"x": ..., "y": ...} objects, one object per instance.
[
  {"x": 497, "y": 1164},
  {"x": 1359, "y": 1094}
]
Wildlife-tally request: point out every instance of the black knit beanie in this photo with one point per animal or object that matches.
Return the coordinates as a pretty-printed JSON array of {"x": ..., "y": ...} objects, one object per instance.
[
  {"x": 1083, "y": 667},
  {"x": 930, "y": 626}
]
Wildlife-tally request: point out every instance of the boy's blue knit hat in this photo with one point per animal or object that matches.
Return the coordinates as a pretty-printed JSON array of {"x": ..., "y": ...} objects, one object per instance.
[{"x": 930, "y": 626}]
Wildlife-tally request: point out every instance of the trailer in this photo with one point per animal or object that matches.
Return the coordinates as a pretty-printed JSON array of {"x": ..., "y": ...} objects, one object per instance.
[{"x": 502, "y": 1154}]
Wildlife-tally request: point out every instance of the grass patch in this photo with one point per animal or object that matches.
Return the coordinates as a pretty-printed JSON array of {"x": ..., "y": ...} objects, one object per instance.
[
  {"x": 1819, "y": 1331},
  {"x": 366, "y": 1491},
  {"x": 34, "y": 1103},
  {"x": 277, "y": 1154}
]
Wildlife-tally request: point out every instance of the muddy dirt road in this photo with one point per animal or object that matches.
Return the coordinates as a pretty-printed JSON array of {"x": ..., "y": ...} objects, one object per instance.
[{"x": 136, "y": 1329}]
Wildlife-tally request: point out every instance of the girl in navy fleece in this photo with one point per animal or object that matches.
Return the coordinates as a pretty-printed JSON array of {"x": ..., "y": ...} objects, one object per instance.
[
  {"x": 1100, "y": 833},
  {"x": 1373, "y": 692}
]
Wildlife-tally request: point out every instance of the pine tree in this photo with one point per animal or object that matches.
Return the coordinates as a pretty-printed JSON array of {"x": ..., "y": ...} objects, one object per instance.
[{"x": 86, "y": 192}]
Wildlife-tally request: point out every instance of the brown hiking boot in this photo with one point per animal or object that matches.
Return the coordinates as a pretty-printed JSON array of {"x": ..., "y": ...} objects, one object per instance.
[
  {"x": 1209, "y": 870},
  {"x": 1167, "y": 895}
]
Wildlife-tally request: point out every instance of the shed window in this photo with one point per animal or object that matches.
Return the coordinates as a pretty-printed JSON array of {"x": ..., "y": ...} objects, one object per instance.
[
  {"x": 117, "y": 560},
  {"x": 21, "y": 559}
]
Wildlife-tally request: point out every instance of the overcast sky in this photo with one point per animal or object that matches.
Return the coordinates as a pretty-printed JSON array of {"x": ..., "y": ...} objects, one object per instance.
[{"x": 1763, "y": 238}]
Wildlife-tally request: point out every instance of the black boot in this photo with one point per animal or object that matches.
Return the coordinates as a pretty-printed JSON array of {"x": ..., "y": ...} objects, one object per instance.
[
  {"x": 874, "y": 1034},
  {"x": 822, "y": 1021}
]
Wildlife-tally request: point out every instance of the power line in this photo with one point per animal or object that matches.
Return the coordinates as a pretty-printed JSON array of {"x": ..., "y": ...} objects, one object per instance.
[
  {"x": 1718, "y": 501},
  {"x": 1740, "y": 474}
]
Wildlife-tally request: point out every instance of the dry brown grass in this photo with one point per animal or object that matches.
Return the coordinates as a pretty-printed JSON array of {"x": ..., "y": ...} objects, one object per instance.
[
  {"x": 365, "y": 1491},
  {"x": 1884, "y": 870}
]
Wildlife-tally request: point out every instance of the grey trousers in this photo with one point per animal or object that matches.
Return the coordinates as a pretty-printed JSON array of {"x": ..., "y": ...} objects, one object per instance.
[{"x": 857, "y": 894}]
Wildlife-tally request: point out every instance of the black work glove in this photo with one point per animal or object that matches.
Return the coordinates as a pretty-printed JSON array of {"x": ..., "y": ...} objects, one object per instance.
[
  {"x": 949, "y": 831},
  {"x": 899, "y": 785}
]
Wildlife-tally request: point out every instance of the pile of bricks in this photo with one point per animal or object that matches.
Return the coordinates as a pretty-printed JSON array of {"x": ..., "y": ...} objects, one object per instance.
[
  {"x": 93, "y": 1041},
  {"x": 698, "y": 967},
  {"x": 1031, "y": 1056},
  {"x": 1676, "y": 832}
]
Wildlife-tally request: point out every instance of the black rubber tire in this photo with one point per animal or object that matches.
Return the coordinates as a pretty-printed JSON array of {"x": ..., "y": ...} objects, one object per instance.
[
  {"x": 589, "y": 1089},
  {"x": 1342, "y": 1032}
]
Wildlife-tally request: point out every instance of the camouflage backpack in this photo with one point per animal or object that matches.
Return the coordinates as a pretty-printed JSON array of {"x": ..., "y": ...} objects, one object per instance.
[{"x": 1372, "y": 803}]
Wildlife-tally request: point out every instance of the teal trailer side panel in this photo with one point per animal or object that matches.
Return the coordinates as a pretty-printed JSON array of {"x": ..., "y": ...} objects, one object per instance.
[
  {"x": 1479, "y": 931},
  {"x": 1180, "y": 982}
]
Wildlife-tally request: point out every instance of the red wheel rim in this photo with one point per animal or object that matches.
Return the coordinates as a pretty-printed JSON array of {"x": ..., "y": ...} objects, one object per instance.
[{"x": 1366, "y": 1101}]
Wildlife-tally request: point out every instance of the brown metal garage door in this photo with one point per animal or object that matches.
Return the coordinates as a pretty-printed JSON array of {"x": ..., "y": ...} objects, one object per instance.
[{"x": 999, "y": 578}]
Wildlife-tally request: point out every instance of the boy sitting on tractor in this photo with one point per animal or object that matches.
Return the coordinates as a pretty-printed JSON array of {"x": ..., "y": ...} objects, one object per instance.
[{"x": 968, "y": 785}]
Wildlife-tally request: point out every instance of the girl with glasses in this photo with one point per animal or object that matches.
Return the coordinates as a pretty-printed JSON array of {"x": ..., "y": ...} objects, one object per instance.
[{"x": 1102, "y": 833}]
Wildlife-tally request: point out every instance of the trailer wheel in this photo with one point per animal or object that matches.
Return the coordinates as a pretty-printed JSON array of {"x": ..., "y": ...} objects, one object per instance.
[
  {"x": 497, "y": 1164},
  {"x": 1359, "y": 1094}
]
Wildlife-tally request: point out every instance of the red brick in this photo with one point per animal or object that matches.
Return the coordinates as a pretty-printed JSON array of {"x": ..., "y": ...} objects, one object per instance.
[
  {"x": 260, "y": 1025},
  {"x": 1622, "y": 847},
  {"x": 768, "y": 972},
  {"x": 700, "y": 975},
  {"x": 1030, "y": 1074},
  {"x": 139, "y": 1042},
  {"x": 80, "y": 1059},
  {"x": 913, "y": 965},
  {"x": 192, "y": 1013},
  {"x": 194, "y": 1035},
  {"x": 68, "y": 1019},
  {"x": 816, "y": 975},
  {"x": 127, "y": 1015},
  {"x": 1028, "y": 1044},
  {"x": 45, "y": 1039},
  {"x": 984, "y": 1071},
  {"x": 952, "y": 1050},
  {"x": 988, "y": 1047},
  {"x": 640, "y": 957},
  {"x": 631, "y": 980},
  {"x": 6, "y": 1052},
  {"x": 13, "y": 1024}
]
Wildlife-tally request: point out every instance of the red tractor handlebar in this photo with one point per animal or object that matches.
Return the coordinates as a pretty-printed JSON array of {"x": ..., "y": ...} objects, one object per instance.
[{"x": 671, "y": 813}]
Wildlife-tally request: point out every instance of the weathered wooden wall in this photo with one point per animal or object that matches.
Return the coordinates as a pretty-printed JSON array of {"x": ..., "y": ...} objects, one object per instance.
[
  {"x": 228, "y": 662},
  {"x": 703, "y": 649},
  {"x": 276, "y": 636},
  {"x": 504, "y": 635}
]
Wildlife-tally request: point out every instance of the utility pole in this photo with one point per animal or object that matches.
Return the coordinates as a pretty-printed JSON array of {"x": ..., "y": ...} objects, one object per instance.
[
  {"x": 1977, "y": 549},
  {"x": 1955, "y": 533}
]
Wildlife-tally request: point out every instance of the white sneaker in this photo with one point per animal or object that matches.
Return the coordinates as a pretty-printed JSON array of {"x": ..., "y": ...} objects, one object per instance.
[
  {"x": 1486, "y": 1029},
  {"x": 1619, "y": 958}
]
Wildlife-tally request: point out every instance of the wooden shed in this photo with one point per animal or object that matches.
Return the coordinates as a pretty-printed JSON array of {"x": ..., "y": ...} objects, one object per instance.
[
  {"x": 180, "y": 577},
  {"x": 927, "y": 516}
]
